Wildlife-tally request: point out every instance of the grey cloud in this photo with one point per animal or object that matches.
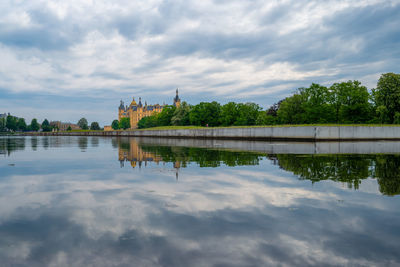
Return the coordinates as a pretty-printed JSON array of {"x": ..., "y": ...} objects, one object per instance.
[
  {"x": 34, "y": 38},
  {"x": 375, "y": 26},
  {"x": 47, "y": 33},
  {"x": 345, "y": 45}
]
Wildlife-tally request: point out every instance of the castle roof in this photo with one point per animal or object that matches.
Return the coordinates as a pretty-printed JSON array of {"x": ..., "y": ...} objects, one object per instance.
[{"x": 133, "y": 103}]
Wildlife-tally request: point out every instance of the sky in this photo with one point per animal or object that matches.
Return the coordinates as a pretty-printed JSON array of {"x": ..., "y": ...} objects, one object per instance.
[{"x": 63, "y": 60}]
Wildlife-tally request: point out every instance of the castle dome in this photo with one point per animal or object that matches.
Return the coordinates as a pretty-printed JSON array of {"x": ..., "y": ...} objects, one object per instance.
[{"x": 133, "y": 103}]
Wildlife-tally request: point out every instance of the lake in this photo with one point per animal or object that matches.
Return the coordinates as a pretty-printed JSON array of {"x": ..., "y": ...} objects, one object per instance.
[{"x": 91, "y": 201}]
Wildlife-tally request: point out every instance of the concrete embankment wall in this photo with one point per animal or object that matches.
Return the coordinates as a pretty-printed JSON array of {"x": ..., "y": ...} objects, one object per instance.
[
  {"x": 279, "y": 147},
  {"x": 301, "y": 133}
]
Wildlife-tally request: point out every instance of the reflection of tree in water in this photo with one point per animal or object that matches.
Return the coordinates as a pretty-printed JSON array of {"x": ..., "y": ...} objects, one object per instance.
[
  {"x": 83, "y": 143},
  {"x": 349, "y": 169},
  {"x": 94, "y": 141},
  {"x": 387, "y": 171},
  {"x": 9, "y": 145},
  {"x": 45, "y": 142},
  {"x": 114, "y": 142},
  {"x": 204, "y": 157},
  {"x": 34, "y": 143},
  {"x": 130, "y": 150}
]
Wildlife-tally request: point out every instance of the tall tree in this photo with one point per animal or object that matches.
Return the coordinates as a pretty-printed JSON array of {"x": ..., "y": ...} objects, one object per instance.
[
  {"x": 317, "y": 106},
  {"x": 205, "y": 114},
  {"x": 11, "y": 123},
  {"x": 83, "y": 124},
  {"x": 148, "y": 122},
  {"x": 124, "y": 123},
  {"x": 35, "y": 126},
  {"x": 3, "y": 125},
  {"x": 387, "y": 96},
  {"x": 291, "y": 110},
  {"x": 165, "y": 116},
  {"x": 247, "y": 114},
  {"x": 21, "y": 124},
  {"x": 46, "y": 126},
  {"x": 94, "y": 126},
  {"x": 350, "y": 101},
  {"x": 229, "y": 114},
  {"x": 181, "y": 115},
  {"x": 115, "y": 125}
]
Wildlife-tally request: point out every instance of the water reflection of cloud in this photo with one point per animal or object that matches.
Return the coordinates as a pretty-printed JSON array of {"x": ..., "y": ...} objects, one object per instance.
[{"x": 250, "y": 216}]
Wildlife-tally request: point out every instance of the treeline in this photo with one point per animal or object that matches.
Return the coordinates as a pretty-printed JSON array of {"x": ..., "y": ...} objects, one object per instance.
[
  {"x": 124, "y": 123},
  {"x": 204, "y": 114},
  {"x": 345, "y": 102},
  {"x": 84, "y": 125},
  {"x": 15, "y": 124}
]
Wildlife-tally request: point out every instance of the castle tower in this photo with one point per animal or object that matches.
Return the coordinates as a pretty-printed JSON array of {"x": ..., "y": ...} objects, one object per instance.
[
  {"x": 177, "y": 100},
  {"x": 121, "y": 110},
  {"x": 133, "y": 103}
]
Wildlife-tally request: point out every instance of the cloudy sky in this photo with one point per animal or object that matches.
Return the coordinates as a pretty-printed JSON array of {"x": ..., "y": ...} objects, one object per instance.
[{"x": 63, "y": 60}]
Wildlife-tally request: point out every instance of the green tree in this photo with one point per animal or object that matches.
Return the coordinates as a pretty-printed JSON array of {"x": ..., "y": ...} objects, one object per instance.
[
  {"x": 11, "y": 123},
  {"x": 181, "y": 115},
  {"x": 35, "y": 126},
  {"x": 124, "y": 123},
  {"x": 165, "y": 116},
  {"x": 350, "y": 101},
  {"x": 46, "y": 126},
  {"x": 387, "y": 94},
  {"x": 115, "y": 125},
  {"x": 3, "y": 125},
  {"x": 83, "y": 124},
  {"x": 148, "y": 122},
  {"x": 69, "y": 129},
  {"x": 383, "y": 114},
  {"x": 229, "y": 114},
  {"x": 317, "y": 107},
  {"x": 247, "y": 114},
  {"x": 291, "y": 110},
  {"x": 94, "y": 126},
  {"x": 205, "y": 113},
  {"x": 21, "y": 124},
  {"x": 264, "y": 118}
]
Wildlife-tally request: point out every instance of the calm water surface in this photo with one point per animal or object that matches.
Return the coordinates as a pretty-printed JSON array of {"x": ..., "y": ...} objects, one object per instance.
[{"x": 77, "y": 201}]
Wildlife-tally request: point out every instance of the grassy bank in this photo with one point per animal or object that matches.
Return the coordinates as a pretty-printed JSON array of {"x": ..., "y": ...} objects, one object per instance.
[{"x": 260, "y": 126}]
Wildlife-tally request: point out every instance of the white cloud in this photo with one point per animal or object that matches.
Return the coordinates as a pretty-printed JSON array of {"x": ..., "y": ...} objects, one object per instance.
[{"x": 241, "y": 50}]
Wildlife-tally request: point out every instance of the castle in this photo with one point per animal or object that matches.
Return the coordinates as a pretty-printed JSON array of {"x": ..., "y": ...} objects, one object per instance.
[{"x": 136, "y": 111}]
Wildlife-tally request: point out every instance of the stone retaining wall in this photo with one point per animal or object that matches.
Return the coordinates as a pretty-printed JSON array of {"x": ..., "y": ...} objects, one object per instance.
[{"x": 301, "y": 133}]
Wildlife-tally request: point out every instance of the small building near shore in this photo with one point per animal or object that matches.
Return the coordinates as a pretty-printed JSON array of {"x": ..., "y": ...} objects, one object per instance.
[{"x": 63, "y": 126}]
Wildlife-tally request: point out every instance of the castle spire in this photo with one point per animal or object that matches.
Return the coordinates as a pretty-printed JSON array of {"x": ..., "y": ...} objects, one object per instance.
[
  {"x": 121, "y": 105},
  {"x": 177, "y": 101}
]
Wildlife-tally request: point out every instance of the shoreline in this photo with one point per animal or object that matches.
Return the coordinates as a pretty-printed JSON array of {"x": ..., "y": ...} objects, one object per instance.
[{"x": 274, "y": 133}]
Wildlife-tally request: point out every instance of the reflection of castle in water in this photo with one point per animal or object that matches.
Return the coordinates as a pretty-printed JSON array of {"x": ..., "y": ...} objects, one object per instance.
[{"x": 129, "y": 150}]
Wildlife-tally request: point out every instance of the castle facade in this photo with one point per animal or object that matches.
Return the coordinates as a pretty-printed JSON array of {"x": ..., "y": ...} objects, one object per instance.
[{"x": 136, "y": 111}]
